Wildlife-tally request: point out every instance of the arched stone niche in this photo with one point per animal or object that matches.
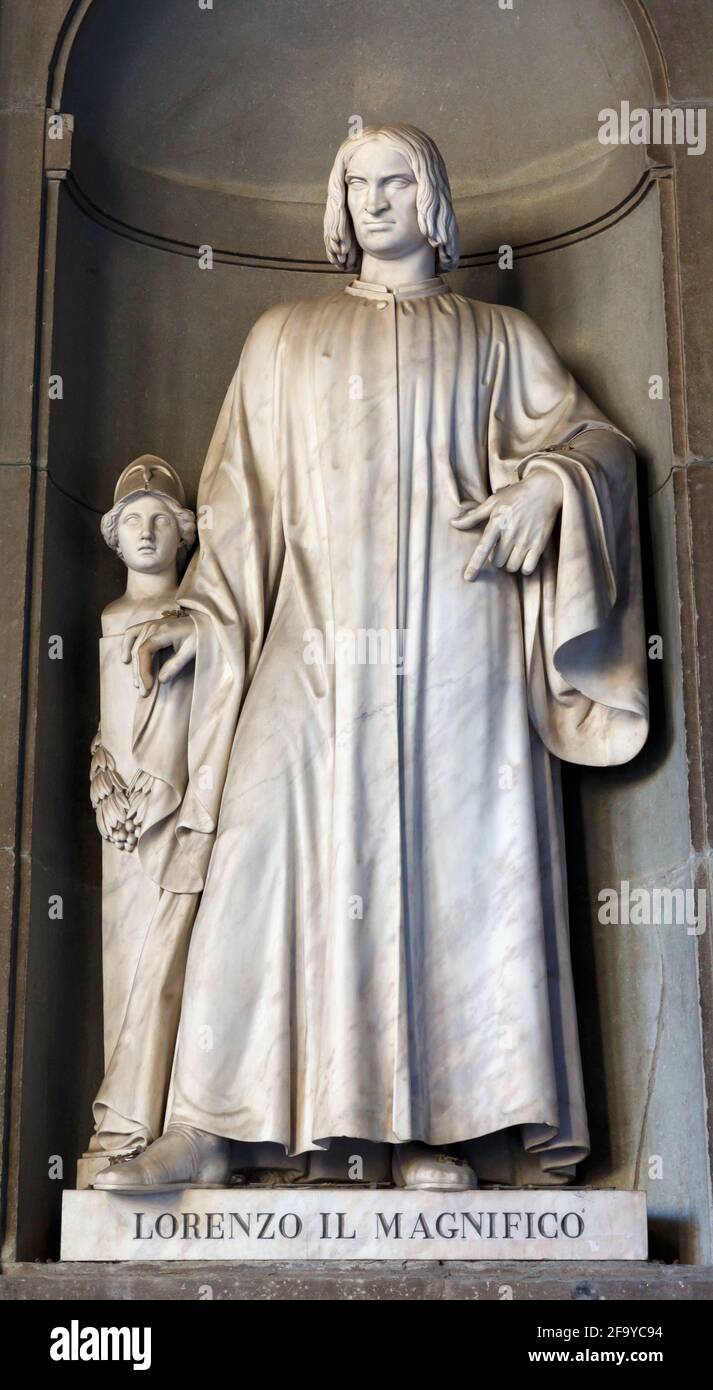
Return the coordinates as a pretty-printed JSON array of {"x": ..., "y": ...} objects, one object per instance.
[{"x": 216, "y": 127}]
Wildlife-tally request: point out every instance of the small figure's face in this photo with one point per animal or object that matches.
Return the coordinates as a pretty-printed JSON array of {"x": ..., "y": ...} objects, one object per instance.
[
  {"x": 381, "y": 197},
  {"x": 148, "y": 535}
]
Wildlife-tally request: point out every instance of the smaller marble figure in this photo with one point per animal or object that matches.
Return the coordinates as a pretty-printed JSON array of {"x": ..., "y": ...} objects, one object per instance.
[{"x": 145, "y": 928}]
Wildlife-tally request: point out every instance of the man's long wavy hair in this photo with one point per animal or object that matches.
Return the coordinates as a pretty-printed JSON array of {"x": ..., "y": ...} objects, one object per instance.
[{"x": 434, "y": 205}]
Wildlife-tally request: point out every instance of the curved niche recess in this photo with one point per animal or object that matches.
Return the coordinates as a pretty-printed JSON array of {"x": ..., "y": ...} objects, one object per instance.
[{"x": 195, "y": 127}]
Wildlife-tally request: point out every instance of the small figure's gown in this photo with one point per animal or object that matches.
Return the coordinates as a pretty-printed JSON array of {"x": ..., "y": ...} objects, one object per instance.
[
  {"x": 381, "y": 949},
  {"x": 146, "y": 930}
]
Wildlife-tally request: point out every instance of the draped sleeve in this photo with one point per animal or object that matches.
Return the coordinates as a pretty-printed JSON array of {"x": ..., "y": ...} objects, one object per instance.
[
  {"x": 582, "y": 608},
  {"x": 229, "y": 590}
]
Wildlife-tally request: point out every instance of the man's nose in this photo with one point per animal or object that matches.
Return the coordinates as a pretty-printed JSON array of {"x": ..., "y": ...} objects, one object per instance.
[{"x": 376, "y": 199}]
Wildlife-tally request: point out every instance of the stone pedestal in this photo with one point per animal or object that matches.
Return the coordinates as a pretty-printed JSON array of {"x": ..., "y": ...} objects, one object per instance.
[
  {"x": 342, "y": 1223},
  {"x": 88, "y": 1168}
]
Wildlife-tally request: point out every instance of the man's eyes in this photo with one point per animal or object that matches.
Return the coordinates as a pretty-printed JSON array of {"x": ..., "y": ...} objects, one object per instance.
[{"x": 398, "y": 181}]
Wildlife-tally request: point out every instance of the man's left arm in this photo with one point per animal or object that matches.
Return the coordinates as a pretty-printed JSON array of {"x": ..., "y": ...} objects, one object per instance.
[{"x": 555, "y": 461}]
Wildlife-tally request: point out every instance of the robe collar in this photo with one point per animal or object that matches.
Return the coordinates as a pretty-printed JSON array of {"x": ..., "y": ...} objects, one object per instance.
[{"x": 435, "y": 285}]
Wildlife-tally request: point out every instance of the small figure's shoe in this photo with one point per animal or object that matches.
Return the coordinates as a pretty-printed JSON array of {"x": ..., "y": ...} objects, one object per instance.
[
  {"x": 417, "y": 1165},
  {"x": 182, "y": 1157}
]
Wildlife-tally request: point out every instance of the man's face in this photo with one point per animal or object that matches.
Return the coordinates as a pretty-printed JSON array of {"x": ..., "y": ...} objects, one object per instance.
[
  {"x": 148, "y": 535},
  {"x": 381, "y": 196}
]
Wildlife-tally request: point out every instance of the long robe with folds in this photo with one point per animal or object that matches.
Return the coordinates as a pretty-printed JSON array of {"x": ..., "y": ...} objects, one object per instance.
[{"x": 382, "y": 947}]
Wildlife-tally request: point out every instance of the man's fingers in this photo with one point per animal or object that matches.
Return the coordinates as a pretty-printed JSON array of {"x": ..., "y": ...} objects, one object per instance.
[
  {"x": 531, "y": 560},
  {"x": 143, "y": 668},
  {"x": 175, "y": 664},
  {"x": 127, "y": 645},
  {"x": 140, "y": 650},
  {"x": 135, "y": 638},
  {"x": 491, "y": 536},
  {"x": 516, "y": 557},
  {"x": 140, "y": 645},
  {"x": 157, "y": 641},
  {"x": 474, "y": 516},
  {"x": 504, "y": 550}
]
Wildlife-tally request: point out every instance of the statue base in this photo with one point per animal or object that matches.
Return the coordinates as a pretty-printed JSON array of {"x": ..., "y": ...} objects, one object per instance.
[
  {"x": 89, "y": 1166},
  {"x": 350, "y": 1223}
]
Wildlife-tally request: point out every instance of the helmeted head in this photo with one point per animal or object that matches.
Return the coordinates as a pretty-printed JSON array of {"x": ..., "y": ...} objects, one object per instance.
[
  {"x": 149, "y": 525},
  {"x": 389, "y": 193}
]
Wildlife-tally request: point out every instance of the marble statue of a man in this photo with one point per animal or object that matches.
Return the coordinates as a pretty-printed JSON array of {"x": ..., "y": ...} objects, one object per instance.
[{"x": 381, "y": 950}]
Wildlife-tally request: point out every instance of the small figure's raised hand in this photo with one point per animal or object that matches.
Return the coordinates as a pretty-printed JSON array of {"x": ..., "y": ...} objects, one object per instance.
[
  {"x": 519, "y": 521},
  {"x": 140, "y": 644}
]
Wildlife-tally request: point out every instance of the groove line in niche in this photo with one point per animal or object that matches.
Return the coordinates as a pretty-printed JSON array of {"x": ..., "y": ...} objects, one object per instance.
[{"x": 468, "y": 260}]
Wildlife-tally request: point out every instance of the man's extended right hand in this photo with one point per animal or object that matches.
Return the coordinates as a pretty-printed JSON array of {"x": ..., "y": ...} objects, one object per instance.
[{"x": 140, "y": 645}]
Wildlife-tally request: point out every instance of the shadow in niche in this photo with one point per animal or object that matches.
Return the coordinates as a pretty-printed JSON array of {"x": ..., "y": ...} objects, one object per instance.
[
  {"x": 665, "y": 1238},
  {"x": 63, "y": 1047}
]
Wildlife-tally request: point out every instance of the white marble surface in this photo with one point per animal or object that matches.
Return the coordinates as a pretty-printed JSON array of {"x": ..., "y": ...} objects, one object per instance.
[
  {"x": 129, "y": 898},
  {"x": 145, "y": 930},
  {"x": 382, "y": 948},
  {"x": 347, "y": 1223}
]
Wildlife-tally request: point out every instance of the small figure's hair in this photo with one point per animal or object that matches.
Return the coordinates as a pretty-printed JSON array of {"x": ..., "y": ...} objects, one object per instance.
[
  {"x": 185, "y": 520},
  {"x": 434, "y": 204}
]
